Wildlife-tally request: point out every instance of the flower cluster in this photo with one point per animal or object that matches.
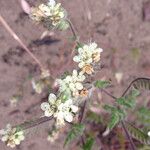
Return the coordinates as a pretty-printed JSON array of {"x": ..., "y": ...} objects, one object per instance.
[
  {"x": 62, "y": 111},
  {"x": 12, "y": 136},
  {"x": 51, "y": 13},
  {"x": 71, "y": 88},
  {"x": 72, "y": 84},
  {"x": 87, "y": 57}
]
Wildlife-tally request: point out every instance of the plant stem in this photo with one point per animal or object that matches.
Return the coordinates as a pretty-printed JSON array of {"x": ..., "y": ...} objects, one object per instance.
[
  {"x": 8, "y": 28},
  {"x": 72, "y": 29},
  {"x": 82, "y": 112},
  {"x": 108, "y": 94},
  {"x": 81, "y": 119},
  {"x": 122, "y": 122},
  {"x": 128, "y": 136},
  {"x": 32, "y": 123}
]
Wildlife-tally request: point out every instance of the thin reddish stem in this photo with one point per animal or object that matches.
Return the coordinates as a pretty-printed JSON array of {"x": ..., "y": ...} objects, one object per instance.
[{"x": 8, "y": 28}]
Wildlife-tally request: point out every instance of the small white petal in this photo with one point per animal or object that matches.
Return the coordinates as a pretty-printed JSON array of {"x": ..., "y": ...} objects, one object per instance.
[
  {"x": 2, "y": 132},
  {"x": 89, "y": 61},
  {"x": 86, "y": 47},
  {"x": 45, "y": 106},
  {"x": 52, "y": 3},
  {"x": 93, "y": 45},
  {"x": 5, "y": 138},
  {"x": 17, "y": 141},
  {"x": 69, "y": 117},
  {"x": 68, "y": 79},
  {"x": 80, "y": 51},
  {"x": 74, "y": 108},
  {"x": 81, "y": 64},
  {"x": 79, "y": 86},
  {"x": 48, "y": 113},
  {"x": 22, "y": 137},
  {"x": 76, "y": 58},
  {"x": 68, "y": 102},
  {"x": 100, "y": 50},
  {"x": 148, "y": 133},
  {"x": 52, "y": 98},
  {"x": 75, "y": 73},
  {"x": 72, "y": 86}
]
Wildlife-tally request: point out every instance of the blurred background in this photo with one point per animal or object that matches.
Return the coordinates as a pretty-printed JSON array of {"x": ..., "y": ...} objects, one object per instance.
[{"x": 120, "y": 27}]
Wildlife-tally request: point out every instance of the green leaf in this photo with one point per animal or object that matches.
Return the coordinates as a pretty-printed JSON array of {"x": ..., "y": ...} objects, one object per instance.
[
  {"x": 143, "y": 115},
  {"x": 141, "y": 83},
  {"x": 116, "y": 115},
  {"x": 76, "y": 131},
  {"x": 113, "y": 121},
  {"x": 88, "y": 144},
  {"x": 134, "y": 93},
  {"x": 138, "y": 134},
  {"x": 102, "y": 84},
  {"x": 144, "y": 112},
  {"x": 130, "y": 100},
  {"x": 128, "y": 103},
  {"x": 110, "y": 108},
  {"x": 91, "y": 116}
]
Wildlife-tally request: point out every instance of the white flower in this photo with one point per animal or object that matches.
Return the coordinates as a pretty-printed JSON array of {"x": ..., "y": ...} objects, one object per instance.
[
  {"x": 65, "y": 112},
  {"x": 61, "y": 111},
  {"x": 37, "y": 86},
  {"x": 148, "y": 133},
  {"x": 88, "y": 55},
  {"x": 51, "y": 3},
  {"x": 53, "y": 12},
  {"x": 11, "y": 136},
  {"x": 45, "y": 74},
  {"x": 50, "y": 107},
  {"x": 71, "y": 85}
]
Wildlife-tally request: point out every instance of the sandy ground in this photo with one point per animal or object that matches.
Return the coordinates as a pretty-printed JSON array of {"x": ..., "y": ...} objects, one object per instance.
[{"x": 116, "y": 25}]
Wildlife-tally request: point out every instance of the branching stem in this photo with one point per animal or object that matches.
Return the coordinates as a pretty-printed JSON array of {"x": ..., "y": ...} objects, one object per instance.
[{"x": 122, "y": 122}]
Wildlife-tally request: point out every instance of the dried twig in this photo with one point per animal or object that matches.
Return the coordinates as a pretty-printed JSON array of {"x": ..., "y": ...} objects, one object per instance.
[{"x": 8, "y": 28}]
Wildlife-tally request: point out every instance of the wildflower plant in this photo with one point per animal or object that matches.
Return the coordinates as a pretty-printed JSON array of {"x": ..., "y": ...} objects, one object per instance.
[{"x": 68, "y": 104}]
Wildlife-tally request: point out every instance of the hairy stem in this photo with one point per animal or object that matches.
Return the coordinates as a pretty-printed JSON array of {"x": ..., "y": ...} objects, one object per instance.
[
  {"x": 8, "y": 28},
  {"x": 81, "y": 120},
  {"x": 128, "y": 136},
  {"x": 72, "y": 29},
  {"x": 82, "y": 112},
  {"x": 107, "y": 93},
  {"x": 32, "y": 123}
]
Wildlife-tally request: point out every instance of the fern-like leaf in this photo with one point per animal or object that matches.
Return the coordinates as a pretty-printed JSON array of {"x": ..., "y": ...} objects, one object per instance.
[
  {"x": 142, "y": 83},
  {"x": 138, "y": 134},
  {"x": 139, "y": 83}
]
